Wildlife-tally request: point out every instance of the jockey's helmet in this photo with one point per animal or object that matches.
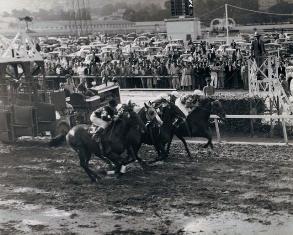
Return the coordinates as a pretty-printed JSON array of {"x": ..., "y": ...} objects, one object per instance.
[
  {"x": 175, "y": 93},
  {"x": 198, "y": 93}
]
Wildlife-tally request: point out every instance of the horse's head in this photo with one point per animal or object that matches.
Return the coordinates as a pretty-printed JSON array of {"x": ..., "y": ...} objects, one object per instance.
[
  {"x": 166, "y": 111},
  {"x": 217, "y": 109},
  {"x": 151, "y": 114},
  {"x": 127, "y": 114}
]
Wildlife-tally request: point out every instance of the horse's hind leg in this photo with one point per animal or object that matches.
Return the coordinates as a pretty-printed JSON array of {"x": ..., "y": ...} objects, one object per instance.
[
  {"x": 84, "y": 157},
  {"x": 208, "y": 135},
  {"x": 185, "y": 145}
]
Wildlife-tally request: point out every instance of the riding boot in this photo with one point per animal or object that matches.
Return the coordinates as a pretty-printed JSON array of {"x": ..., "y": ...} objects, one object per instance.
[
  {"x": 97, "y": 135},
  {"x": 148, "y": 124},
  {"x": 177, "y": 123}
]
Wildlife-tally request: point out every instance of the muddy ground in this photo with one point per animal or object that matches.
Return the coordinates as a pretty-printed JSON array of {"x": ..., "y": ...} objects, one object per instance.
[{"x": 237, "y": 189}]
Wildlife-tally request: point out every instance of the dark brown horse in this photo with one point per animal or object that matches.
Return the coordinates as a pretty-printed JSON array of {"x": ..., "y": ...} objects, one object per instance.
[
  {"x": 195, "y": 125},
  {"x": 155, "y": 131},
  {"x": 117, "y": 139}
]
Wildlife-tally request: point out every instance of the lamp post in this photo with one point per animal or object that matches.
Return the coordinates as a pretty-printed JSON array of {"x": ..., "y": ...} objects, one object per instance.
[{"x": 227, "y": 23}]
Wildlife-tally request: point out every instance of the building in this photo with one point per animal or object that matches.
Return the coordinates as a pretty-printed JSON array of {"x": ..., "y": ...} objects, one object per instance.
[
  {"x": 183, "y": 28},
  {"x": 150, "y": 27},
  {"x": 264, "y": 5},
  {"x": 66, "y": 28},
  {"x": 82, "y": 27},
  {"x": 117, "y": 15}
]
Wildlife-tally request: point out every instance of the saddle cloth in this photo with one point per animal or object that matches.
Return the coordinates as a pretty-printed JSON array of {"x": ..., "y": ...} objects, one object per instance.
[
  {"x": 100, "y": 122},
  {"x": 182, "y": 107}
]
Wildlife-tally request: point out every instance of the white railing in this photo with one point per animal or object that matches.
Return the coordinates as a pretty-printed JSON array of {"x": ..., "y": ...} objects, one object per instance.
[{"x": 282, "y": 118}]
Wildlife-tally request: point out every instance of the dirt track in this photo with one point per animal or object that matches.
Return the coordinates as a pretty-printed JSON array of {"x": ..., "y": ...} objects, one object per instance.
[{"x": 241, "y": 190}]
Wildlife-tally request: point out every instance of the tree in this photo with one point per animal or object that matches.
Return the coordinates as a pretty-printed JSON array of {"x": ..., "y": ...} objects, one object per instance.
[
  {"x": 129, "y": 15},
  {"x": 5, "y": 14},
  {"x": 107, "y": 10},
  {"x": 27, "y": 20}
]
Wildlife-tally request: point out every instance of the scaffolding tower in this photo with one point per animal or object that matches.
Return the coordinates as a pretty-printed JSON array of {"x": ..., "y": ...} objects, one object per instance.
[{"x": 264, "y": 83}]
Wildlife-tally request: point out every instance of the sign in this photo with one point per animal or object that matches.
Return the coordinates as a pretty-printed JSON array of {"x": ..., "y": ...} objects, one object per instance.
[{"x": 182, "y": 7}]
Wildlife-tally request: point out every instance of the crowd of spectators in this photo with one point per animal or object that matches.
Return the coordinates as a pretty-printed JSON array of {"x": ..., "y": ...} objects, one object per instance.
[{"x": 173, "y": 70}]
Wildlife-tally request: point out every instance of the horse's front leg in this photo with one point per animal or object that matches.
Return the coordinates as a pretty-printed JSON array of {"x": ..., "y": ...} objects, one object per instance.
[
  {"x": 209, "y": 143},
  {"x": 114, "y": 157},
  {"x": 162, "y": 155},
  {"x": 133, "y": 151},
  {"x": 208, "y": 134},
  {"x": 169, "y": 145},
  {"x": 185, "y": 145}
]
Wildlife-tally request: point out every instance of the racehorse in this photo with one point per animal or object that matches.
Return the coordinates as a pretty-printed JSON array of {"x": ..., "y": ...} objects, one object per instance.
[
  {"x": 116, "y": 139},
  {"x": 196, "y": 123},
  {"x": 156, "y": 132}
]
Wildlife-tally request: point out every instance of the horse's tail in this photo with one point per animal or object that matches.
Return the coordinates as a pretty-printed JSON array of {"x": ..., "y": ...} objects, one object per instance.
[
  {"x": 78, "y": 137},
  {"x": 57, "y": 141}
]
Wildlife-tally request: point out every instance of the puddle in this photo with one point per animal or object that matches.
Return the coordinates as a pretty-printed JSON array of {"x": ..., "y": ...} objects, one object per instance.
[
  {"x": 230, "y": 223},
  {"x": 56, "y": 213},
  {"x": 33, "y": 217},
  {"x": 10, "y": 203},
  {"x": 28, "y": 190},
  {"x": 282, "y": 199},
  {"x": 19, "y": 205},
  {"x": 5, "y": 149},
  {"x": 29, "y": 168},
  {"x": 280, "y": 185}
]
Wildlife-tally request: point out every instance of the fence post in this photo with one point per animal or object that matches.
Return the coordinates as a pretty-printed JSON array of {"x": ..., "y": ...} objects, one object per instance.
[
  {"x": 284, "y": 131},
  {"x": 217, "y": 130}
]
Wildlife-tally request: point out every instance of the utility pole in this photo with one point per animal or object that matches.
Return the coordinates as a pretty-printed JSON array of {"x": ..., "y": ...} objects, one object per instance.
[
  {"x": 80, "y": 18},
  {"x": 227, "y": 23},
  {"x": 84, "y": 16}
]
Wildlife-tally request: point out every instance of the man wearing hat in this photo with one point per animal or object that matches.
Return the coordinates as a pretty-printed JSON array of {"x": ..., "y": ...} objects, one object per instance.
[
  {"x": 258, "y": 50},
  {"x": 285, "y": 85},
  {"x": 209, "y": 90}
]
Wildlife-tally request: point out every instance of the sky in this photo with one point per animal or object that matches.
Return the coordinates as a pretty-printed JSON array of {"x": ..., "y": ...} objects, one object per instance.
[{"x": 8, "y": 5}]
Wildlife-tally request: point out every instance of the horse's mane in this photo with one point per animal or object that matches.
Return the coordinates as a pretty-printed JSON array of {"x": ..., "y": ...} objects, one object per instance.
[
  {"x": 204, "y": 101},
  {"x": 204, "y": 105},
  {"x": 128, "y": 107}
]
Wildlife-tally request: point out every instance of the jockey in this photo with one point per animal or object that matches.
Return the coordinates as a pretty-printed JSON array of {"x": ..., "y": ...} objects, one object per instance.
[
  {"x": 181, "y": 103},
  {"x": 171, "y": 97},
  {"x": 102, "y": 118},
  {"x": 187, "y": 102},
  {"x": 197, "y": 95}
]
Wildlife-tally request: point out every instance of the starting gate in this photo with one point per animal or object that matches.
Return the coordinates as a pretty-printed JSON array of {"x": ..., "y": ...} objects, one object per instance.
[{"x": 25, "y": 109}]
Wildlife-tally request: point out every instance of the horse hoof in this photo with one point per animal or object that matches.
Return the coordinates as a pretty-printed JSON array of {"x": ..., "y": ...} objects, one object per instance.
[
  {"x": 123, "y": 169},
  {"x": 160, "y": 159},
  {"x": 145, "y": 166},
  {"x": 110, "y": 172}
]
